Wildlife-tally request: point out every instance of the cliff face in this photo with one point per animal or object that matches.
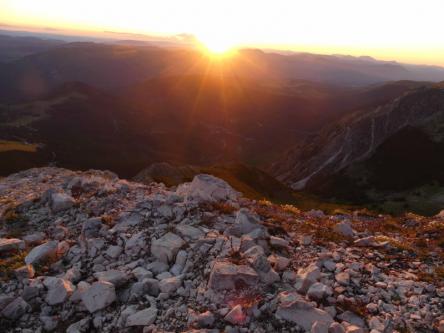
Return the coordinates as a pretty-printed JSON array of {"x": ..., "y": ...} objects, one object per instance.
[
  {"x": 358, "y": 137},
  {"x": 89, "y": 252}
]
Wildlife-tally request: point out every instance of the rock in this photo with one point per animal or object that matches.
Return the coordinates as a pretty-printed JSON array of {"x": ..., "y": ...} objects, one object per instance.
[
  {"x": 73, "y": 274},
  {"x": 152, "y": 286},
  {"x": 99, "y": 296},
  {"x": 207, "y": 188},
  {"x": 30, "y": 293},
  {"x": 142, "y": 318},
  {"x": 34, "y": 238},
  {"x": 226, "y": 275},
  {"x": 91, "y": 227},
  {"x": 255, "y": 256},
  {"x": 365, "y": 242},
  {"x": 135, "y": 244},
  {"x": 343, "y": 278},
  {"x": 306, "y": 277},
  {"x": 189, "y": 231},
  {"x": 306, "y": 240},
  {"x": 344, "y": 229},
  {"x": 42, "y": 252},
  {"x": 278, "y": 242},
  {"x": 291, "y": 308},
  {"x": 24, "y": 272},
  {"x": 181, "y": 259},
  {"x": 245, "y": 223},
  {"x": 375, "y": 324},
  {"x": 236, "y": 316},
  {"x": 269, "y": 277},
  {"x": 5, "y": 300},
  {"x": 49, "y": 323},
  {"x": 279, "y": 263},
  {"x": 141, "y": 273},
  {"x": 59, "y": 291},
  {"x": 205, "y": 319},
  {"x": 81, "y": 326},
  {"x": 116, "y": 277},
  {"x": 114, "y": 251},
  {"x": 58, "y": 232},
  {"x": 318, "y": 291},
  {"x": 61, "y": 201},
  {"x": 166, "y": 247},
  {"x": 127, "y": 221},
  {"x": 352, "y": 318},
  {"x": 336, "y": 328},
  {"x": 329, "y": 265},
  {"x": 11, "y": 244},
  {"x": 319, "y": 327},
  {"x": 354, "y": 329},
  {"x": 16, "y": 309},
  {"x": 170, "y": 285},
  {"x": 207, "y": 264},
  {"x": 158, "y": 267},
  {"x": 62, "y": 248}
]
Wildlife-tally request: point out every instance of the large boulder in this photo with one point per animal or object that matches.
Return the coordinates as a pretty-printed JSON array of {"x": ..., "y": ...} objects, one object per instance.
[
  {"x": 207, "y": 188},
  {"x": 99, "y": 296},
  {"x": 166, "y": 247},
  {"x": 42, "y": 252},
  {"x": 295, "y": 310},
  {"x": 226, "y": 275},
  {"x": 11, "y": 244}
]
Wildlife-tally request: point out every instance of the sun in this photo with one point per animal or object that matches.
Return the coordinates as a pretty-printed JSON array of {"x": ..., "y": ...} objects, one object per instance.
[{"x": 217, "y": 45}]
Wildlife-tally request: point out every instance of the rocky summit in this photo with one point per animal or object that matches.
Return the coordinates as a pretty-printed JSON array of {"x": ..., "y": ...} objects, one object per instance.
[{"x": 89, "y": 252}]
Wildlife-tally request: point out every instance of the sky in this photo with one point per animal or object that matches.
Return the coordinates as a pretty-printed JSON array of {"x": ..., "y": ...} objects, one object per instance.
[{"x": 403, "y": 30}]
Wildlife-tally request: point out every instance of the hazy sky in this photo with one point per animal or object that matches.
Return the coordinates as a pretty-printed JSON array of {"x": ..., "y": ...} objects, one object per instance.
[{"x": 404, "y": 30}]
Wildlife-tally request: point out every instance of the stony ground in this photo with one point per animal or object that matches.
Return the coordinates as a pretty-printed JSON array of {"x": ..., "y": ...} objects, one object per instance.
[{"x": 88, "y": 252}]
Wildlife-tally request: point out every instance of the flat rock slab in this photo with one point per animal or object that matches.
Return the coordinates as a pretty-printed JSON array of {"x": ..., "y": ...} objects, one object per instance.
[{"x": 226, "y": 275}]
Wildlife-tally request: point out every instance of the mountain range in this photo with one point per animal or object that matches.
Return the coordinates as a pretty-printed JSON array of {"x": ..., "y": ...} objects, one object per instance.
[{"x": 351, "y": 129}]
